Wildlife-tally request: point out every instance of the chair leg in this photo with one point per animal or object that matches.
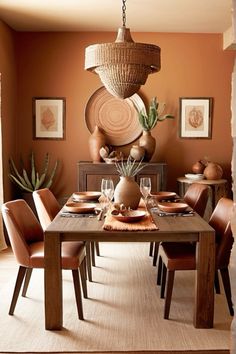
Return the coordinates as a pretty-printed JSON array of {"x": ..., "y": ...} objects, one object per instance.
[
  {"x": 26, "y": 282},
  {"x": 216, "y": 282},
  {"x": 159, "y": 271},
  {"x": 151, "y": 249},
  {"x": 88, "y": 260},
  {"x": 78, "y": 297},
  {"x": 163, "y": 281},
  {"x": 226, "y": 282},
  {"x": 97, "y": 248},
  {"x": 93, "y": 253},
  {"x": 82, "y": 270},
  {"x": 19, "y": 281},
  {"x": 156, "y": 248},
  {"x": 169, "y": 288}
]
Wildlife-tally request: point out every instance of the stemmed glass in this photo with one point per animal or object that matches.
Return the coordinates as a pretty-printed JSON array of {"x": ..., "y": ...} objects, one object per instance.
[
  {"x": 145, "y": 187},
  {"x": 107, "y": 189}
]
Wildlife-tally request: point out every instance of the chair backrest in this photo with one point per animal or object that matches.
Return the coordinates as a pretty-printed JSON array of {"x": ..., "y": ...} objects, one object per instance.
[
  {"x": 196, "y": 196},
  {"x": 22, "y": 227},
  {"x": 220, "y": 221},
  {"x": 46, "y": 205}
]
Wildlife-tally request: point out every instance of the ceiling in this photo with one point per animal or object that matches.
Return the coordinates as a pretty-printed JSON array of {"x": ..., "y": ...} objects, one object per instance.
[{"x": 194, "y": 16}]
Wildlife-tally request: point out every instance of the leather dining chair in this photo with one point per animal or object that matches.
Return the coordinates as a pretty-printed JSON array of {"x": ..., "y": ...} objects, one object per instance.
[
  {"x": 196, "y": 197},
  {"x": 181, "y": 256},
  {"x": 47, "y": 208},
  {"x": 27, "y": 241}
]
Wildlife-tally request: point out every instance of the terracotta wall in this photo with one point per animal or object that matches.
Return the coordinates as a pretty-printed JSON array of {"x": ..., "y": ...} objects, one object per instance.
[
  {"x": 193, "y": 65},
  {"x": 8, "y": 106}
]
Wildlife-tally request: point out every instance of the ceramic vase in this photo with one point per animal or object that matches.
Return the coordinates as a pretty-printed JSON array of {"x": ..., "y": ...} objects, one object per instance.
[
  {"x": 127, "y": 192},
  {"x": 148, "y": 142},
  {"x": 96, "y": 142},
  {"x": 137, "y": 152}
]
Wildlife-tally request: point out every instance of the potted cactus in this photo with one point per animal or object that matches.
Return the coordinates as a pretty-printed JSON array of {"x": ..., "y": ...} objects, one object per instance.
[
  {"x": 148, "y": 122},
  {"x": 32, "y": 180},
  {"x": 127, "y": 191}
]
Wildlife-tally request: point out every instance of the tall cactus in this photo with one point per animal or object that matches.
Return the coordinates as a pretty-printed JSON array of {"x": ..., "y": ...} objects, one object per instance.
[{"x": 33, "y": 180}]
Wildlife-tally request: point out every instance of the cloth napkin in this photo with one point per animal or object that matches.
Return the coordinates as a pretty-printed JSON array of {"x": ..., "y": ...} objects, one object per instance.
[{"x": 146, "y": 223}]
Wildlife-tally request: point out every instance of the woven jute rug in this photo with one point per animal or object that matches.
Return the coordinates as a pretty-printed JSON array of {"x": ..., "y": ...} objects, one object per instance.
[{"x": 124, "y": 312}]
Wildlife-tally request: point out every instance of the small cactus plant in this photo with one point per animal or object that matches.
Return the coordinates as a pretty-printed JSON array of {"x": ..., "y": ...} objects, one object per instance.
[
  {"x": 156, "y": 109},
  {"x": 31, "y": 181}
]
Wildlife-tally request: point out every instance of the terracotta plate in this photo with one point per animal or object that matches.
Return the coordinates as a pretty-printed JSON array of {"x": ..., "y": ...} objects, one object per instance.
[
  {"x": 163, "y": 195},
  {"x": 86, "y": 195},
  {"x": 117, "y": 118},
  {"x": 130, "y": 216},
  {"x": 80, "y": 208},
  {"x": 172, "y": 207}
]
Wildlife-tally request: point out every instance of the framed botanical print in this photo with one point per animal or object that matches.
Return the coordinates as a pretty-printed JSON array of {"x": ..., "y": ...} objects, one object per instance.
[
  {"x": 49, "y": 117},
  {"x": 195, "y": 117}
]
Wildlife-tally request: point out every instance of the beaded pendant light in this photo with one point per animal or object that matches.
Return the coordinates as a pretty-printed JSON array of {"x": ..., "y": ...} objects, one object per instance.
[{"x": 123, "y": 66}]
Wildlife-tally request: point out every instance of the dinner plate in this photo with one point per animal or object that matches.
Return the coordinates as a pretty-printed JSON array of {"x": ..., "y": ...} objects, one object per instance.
[
  {"x": 173, "y": 207},
  {"x": 163, "y": 195},
  {"x": 86, "y": 195},
  {"x": 130, "y": 215},
  {"x": 194, "y": 177},
  {"x": 117, "y": 118},
  {"x": 79, "y": 207}
]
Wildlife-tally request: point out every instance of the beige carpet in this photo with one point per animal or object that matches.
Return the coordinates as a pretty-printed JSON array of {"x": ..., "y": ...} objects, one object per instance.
[{"x": 124, "y": 311}]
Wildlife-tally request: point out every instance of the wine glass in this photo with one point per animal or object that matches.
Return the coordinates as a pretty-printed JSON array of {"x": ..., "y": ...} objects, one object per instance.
[
  {"x": 107, "y": 189},
  {"x": 145, "y": 187}
]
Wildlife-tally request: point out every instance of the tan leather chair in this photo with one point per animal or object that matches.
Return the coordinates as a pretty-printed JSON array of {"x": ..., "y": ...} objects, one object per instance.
[
  {"x": 181, "y": 256},
  {"x": 47, "y": 208},
  {"x": 196, "y": 197},
  {"x": 27, "y": 240}
]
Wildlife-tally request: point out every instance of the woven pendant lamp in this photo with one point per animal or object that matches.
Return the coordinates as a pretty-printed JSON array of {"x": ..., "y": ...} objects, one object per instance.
[{"x": 123, "y": 66}]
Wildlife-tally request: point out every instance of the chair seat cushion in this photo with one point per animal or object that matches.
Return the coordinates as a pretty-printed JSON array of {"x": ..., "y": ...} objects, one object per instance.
[
  {"x": 178, "y": 255},
  {"x": 72, "y": 253}
]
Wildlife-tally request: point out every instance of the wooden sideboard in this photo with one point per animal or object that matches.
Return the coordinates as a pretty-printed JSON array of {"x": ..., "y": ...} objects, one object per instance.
[{"x": 90, "y": 174}]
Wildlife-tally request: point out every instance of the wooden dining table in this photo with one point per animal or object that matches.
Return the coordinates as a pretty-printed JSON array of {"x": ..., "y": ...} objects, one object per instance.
[{"x": 170, "y": 229}]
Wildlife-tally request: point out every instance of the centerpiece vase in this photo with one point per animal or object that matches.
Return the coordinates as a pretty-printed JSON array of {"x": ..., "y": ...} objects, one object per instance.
[
  {"x": 127, "y": 192},
  {"x": 148, "y": 142}
]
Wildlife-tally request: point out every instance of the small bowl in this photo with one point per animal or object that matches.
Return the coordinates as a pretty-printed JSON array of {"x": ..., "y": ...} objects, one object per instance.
[
  {"x": 173, "y": 207},
  {"x": 194, "y": 176},
  {"x": 129, "y": 215},
  {"x": 163, "y": 195},
  {"x": 80, "y": 208}
]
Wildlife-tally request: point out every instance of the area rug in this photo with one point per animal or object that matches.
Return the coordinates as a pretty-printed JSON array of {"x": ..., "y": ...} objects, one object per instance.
[{"x": 124, "y": 311}]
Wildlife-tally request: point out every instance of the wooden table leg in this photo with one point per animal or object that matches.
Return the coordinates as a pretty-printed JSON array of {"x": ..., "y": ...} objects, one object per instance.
[
  {"x": 204, "y": 288},
  {"x": 53, "y": 282},
  {"x": 88, "y": 259}
]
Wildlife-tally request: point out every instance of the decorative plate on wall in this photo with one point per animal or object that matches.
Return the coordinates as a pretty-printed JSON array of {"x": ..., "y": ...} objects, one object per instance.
[{"x": 117, "y": 118}]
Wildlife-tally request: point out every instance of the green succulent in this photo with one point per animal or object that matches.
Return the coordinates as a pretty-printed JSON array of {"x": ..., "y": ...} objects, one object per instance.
[
  {"x": 155, "y": 114},
  {"x": 129, "y": 168},
  {"x": 31, "y": 181}
]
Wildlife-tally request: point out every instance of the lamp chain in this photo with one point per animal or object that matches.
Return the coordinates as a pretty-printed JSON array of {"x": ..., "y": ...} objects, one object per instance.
[{"x": 123, "y": 12}]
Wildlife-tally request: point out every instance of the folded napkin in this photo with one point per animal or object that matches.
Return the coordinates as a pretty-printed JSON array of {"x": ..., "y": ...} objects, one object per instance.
[{"x": 146, "y": 223}]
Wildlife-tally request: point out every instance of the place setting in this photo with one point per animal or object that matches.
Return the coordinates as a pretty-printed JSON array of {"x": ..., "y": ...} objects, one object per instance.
[{"x": 82, "y": 204}]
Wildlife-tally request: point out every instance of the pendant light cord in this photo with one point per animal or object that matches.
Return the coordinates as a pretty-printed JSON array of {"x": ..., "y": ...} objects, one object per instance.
[{"x": 123, "y": 12}]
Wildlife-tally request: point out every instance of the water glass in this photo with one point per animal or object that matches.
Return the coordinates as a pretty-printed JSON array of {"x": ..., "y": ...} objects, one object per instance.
[
  {"x": 145, "y": 187},
  {"x": 107, "y": 189}
]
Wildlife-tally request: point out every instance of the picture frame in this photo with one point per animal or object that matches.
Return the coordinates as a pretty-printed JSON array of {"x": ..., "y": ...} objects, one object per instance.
[
  {"x": 49, "y": 114},
  {"x": 195, "y": 117}
]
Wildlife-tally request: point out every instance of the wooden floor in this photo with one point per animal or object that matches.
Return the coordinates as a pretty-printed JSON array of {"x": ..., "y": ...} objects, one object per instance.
[{"x": 8, "y": 269}]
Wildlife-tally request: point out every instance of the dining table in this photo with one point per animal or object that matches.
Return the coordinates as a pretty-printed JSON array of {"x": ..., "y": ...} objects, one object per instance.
[{"x": 167, "y": 228}]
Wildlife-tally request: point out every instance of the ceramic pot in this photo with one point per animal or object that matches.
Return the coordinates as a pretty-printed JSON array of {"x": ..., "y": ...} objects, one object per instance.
[
  {"x": 198, "y": 167},
  {"x": 213, "y": 171},
  {"x": 96, "y": 141},
  {"x": 127, "y": 192},
  {"x": 148, "y": 142},
  {"x": 137, "y": 152}
]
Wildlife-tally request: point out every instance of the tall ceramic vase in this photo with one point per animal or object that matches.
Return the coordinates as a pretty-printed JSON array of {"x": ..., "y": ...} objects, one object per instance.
[
  {"x": 148, "y": 142},
  {"x": 96, "y": 141},
  {"x": 127, "y": 192}
]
